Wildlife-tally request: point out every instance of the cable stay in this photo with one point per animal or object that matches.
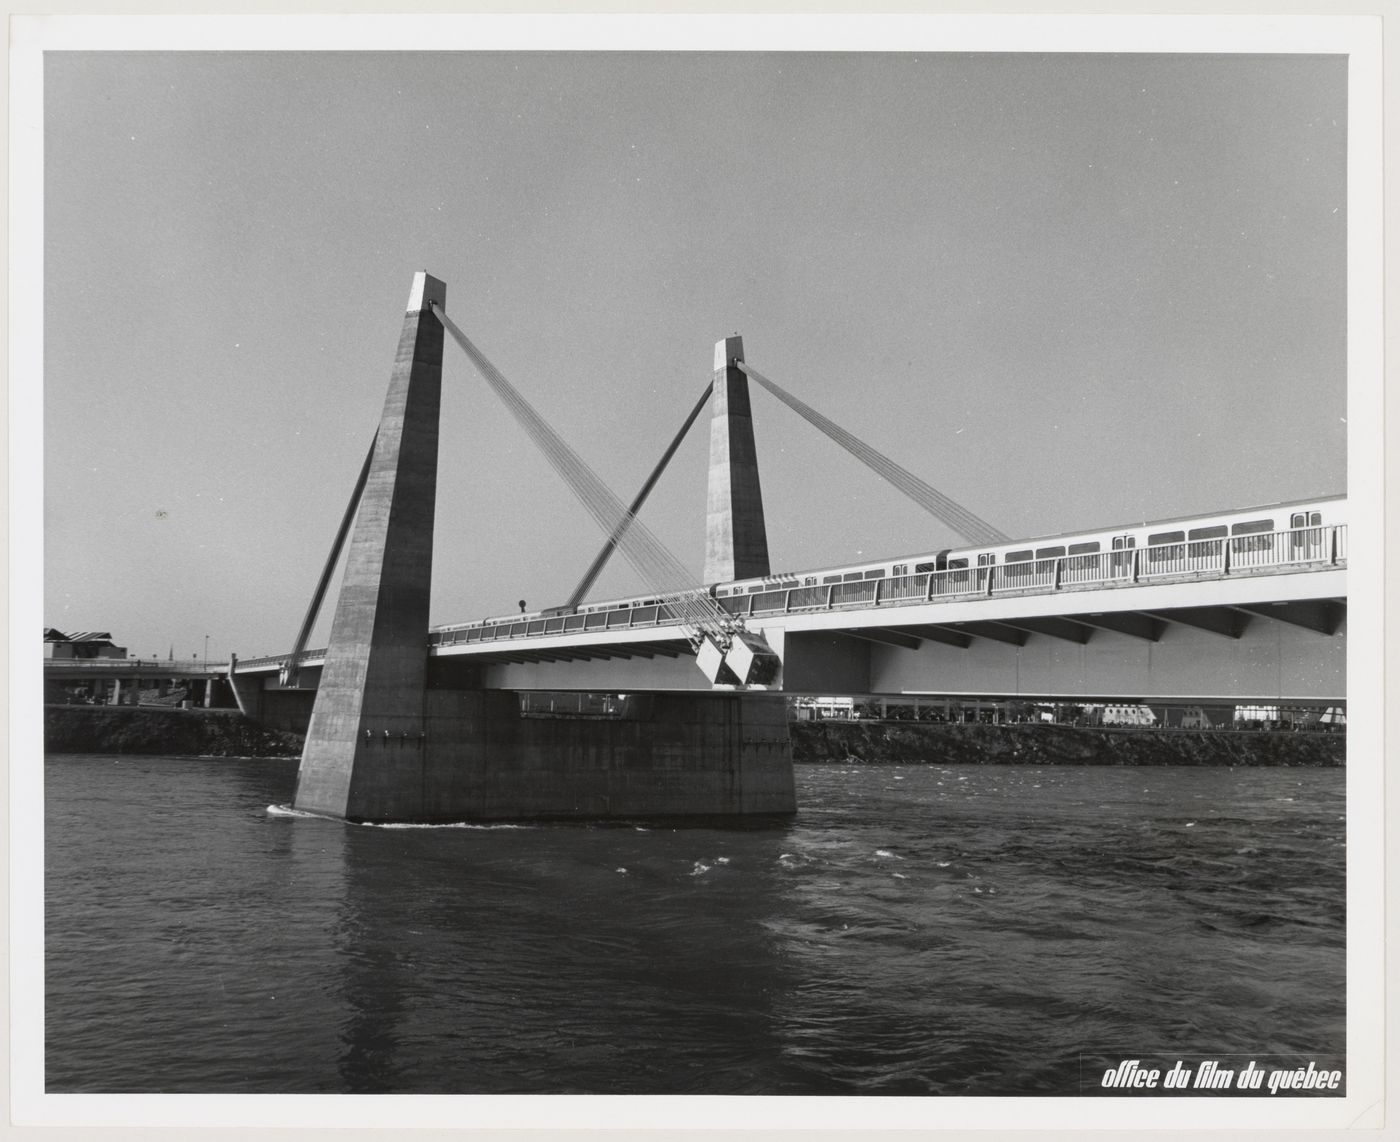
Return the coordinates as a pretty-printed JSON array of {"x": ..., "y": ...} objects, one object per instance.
[
  {"x": 957, "y": 517},
  {"x": 292, "y": 667},
  {"x": 723, "y": 649},
  {"x": 596, "y": 567}
]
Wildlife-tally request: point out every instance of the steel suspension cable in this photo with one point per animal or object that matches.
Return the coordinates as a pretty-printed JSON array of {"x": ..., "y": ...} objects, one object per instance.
[
  {"x": 293, "y": 664},
  {"x": 595, "y": 568},
  {"x": 964, "y": 522},
  {"x": 662, "y": 571}
]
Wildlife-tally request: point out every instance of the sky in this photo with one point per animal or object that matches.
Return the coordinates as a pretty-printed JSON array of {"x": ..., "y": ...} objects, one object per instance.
[{"x": 1068, "y": 291}]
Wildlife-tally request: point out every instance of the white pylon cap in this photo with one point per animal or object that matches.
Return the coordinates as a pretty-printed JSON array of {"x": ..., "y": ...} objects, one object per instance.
[
  {"x": 730, "y": 349},
  {"x": 426, "y": 288}
]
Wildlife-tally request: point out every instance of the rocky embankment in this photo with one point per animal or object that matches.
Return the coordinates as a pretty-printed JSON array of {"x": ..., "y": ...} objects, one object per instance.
[
  {"x": 226, "y": 733},
  {"x": 159, "y": 730},
  {"x": 950, "y": 744}
]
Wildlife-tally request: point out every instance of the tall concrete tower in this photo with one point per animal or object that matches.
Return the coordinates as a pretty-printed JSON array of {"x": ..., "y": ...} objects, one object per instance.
[
  {"x": 364, "y": 747},
  {"x": 736, "y": 540}
]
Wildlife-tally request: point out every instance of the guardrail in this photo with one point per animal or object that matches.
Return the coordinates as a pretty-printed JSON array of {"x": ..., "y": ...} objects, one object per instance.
[
  {"x": 149, "y": 666},
  {"x": 278, "y": 660},
  {"x": 1226, "y": 557}
]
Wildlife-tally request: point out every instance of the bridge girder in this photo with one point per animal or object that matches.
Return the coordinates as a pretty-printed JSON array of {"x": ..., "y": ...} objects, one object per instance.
[
  {"x": 1227, "y": 621},
  {"x": 1325, "y": 616}
]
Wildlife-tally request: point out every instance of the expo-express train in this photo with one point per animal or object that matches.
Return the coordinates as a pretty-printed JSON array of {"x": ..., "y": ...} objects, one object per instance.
[{"x": 1292, "y": 531}]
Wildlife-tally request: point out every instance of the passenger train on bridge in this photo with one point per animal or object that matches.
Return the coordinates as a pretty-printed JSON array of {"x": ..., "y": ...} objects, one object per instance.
[
  {"x": 1299, "y": 526},
  {"x": 1293, "y": 532}
]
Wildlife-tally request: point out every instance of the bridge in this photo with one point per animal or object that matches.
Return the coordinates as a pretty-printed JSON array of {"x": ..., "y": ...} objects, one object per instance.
[
  {"x": 412, "y": 723},
  {"x": 844, "y": 637}
]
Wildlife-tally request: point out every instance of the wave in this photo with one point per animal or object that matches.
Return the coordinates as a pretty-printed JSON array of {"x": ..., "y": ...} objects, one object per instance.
[{"x": 288, "y": 811}]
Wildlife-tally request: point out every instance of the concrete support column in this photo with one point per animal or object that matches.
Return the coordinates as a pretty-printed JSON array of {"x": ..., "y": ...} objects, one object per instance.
[
  {"x": 374, "y": 680},
  {"x": 736, "y": 540}
]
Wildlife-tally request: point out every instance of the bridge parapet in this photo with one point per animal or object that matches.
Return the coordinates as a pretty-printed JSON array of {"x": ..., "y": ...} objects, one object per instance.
[{"x": 152, "y": 667}]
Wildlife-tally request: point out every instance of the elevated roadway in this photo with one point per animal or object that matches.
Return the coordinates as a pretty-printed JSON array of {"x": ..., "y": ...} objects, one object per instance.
[{"x": 1198, "y": 621}]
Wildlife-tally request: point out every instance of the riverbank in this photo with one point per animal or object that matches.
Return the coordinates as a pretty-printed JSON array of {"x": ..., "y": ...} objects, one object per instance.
[
  {"x": 970, "y": 744},
  {"x": 226, "y": 733},
  {"x": 161, "y": 730}
]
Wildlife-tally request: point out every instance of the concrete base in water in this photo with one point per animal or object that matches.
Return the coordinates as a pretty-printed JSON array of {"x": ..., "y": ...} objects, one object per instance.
[{"x": 483, "y": 758}]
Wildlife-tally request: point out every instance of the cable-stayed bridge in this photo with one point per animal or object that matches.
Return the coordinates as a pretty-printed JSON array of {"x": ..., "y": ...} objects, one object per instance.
[{"x": 1247, "y": 604}]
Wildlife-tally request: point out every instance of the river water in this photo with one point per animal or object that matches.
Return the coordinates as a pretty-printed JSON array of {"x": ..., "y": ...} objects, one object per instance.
[{"x": 930, "y": 930}]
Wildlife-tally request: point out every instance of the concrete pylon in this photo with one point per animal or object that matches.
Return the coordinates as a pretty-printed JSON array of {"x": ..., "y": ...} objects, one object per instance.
[
  {"x": 365, "y": 744},
  {"x": 736, "y": 540}
]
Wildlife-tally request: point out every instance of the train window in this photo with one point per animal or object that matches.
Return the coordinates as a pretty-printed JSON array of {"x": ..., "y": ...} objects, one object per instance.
[
  {"x": 809, "y": 581},
  {"x": 924, "y": 568},
  {"x": 1304, "y": 519},
  {"x": 755, "y": 589},
  {"x": 1167, "y": 537},
  {"x": 1084, "y": 548},
  {"x": 957, "y": 564},
  {"x": 1253, "y": 527},
  {"x": 852, "y": 577},
  {"x": 1019, "y": 556},
  {"x": 1214, "y": 532},
  {"x": 986, "y": 560},
  {"x": 831, "y": 579},
  {"x": 1049, "y": 552},
  {"x": 900, "y": 569},
  {"x": 878, "y": 573},
  {"x": 1121, "y": 542}
]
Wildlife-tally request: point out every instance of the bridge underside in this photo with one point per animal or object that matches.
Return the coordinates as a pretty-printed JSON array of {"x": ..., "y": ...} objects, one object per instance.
[{"x": 1295, "y": 651}]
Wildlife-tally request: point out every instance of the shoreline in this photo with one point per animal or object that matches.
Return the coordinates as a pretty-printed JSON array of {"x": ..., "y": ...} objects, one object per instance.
[{"x": 209, "y": 734}]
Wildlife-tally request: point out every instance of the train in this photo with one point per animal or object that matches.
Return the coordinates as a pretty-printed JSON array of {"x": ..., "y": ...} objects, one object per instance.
[
  {"x": 1165, "y": 545},
  {"x": 1303, "y": 520}
]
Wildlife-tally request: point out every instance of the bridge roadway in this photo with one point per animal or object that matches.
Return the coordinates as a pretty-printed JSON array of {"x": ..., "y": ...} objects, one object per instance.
[{"x": 1256, "y": 618}]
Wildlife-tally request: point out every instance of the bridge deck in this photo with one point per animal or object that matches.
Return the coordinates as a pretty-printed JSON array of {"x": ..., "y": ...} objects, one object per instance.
[{"x": 1170, "y": 583}]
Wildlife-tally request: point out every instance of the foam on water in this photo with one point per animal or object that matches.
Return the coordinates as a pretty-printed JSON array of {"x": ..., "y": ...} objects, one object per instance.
[{"x": 288, "y": 811}]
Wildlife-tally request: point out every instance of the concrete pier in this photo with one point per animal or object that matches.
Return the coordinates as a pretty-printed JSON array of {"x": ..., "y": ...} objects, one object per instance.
[
  {"x": 375, "y": 671},
  {"x": 665, "y": 756},
  {"x": 736, "y": 539}
]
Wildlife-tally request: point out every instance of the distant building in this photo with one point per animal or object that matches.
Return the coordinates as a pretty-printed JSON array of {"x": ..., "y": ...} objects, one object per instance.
[
  {"x": 1195, "y": 718},
  {"x": 824, "y": 709},
  {"x": 1128, "y": 716},
  {"x": 84, "y": 644}
]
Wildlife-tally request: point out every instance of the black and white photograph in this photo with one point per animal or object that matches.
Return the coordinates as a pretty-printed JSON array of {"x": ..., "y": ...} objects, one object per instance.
[{"x": 799, "y": 558}]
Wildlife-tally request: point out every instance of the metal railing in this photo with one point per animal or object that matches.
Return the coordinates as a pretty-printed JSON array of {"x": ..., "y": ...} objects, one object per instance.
[
  {"x": 308, "y": 658},
  {"x": 152, "y": 667},
  {"x": 1232, "y": 556}
]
